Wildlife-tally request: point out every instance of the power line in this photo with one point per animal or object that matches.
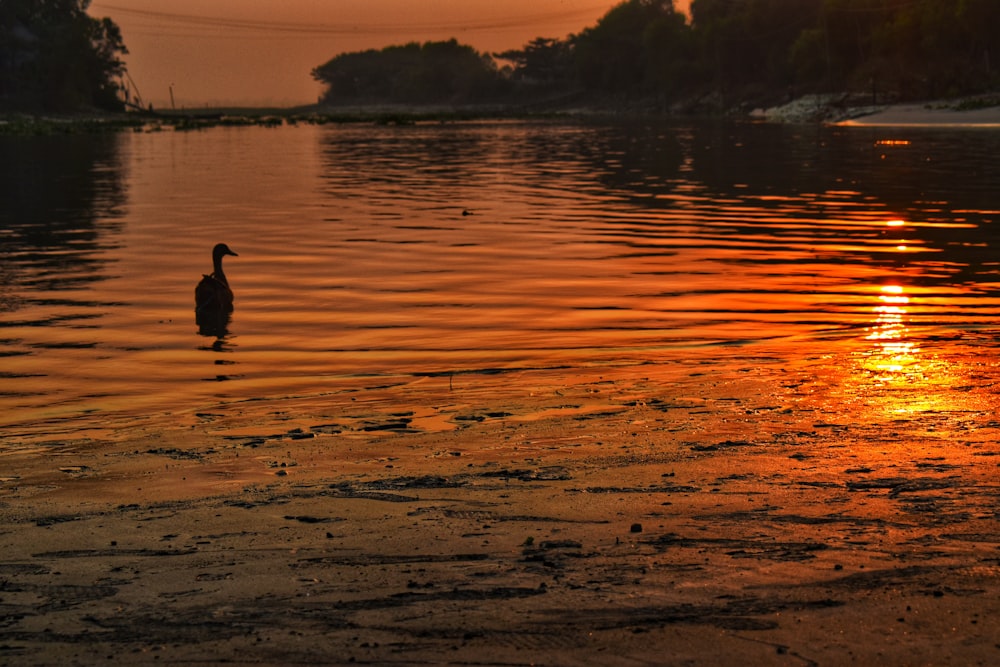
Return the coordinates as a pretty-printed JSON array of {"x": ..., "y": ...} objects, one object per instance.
[{"x": 200, "y": 21}]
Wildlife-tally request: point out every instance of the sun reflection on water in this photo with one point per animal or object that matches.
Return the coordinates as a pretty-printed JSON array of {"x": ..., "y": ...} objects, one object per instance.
[
  {"x": 895, "y": 376},
  {"x": 892, "y": 352}
]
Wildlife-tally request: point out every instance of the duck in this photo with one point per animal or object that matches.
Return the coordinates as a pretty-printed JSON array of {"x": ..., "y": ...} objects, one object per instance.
[{"x": 213, "y": 294}]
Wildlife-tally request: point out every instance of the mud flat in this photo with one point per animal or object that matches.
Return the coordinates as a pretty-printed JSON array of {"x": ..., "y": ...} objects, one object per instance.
[{"x": 535, "y": 519}]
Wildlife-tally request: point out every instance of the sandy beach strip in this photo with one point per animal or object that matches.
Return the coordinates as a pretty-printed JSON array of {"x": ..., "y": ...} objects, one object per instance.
[
  {"x": 836, "y": 110},
  {"x": 927, "y": 115}
]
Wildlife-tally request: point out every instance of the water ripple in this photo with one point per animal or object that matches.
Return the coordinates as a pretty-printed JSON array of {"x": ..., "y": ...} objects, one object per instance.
[{"x": 462, "y": 248}]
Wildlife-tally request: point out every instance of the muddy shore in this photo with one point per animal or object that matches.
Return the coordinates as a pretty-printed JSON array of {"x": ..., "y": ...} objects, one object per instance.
[{"x": 668, "y": 517}]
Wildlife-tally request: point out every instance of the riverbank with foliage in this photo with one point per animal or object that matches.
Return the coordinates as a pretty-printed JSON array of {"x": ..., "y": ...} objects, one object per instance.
[
  {"x": 726, "y": 56},
  {"x": 54, "y": 57},
  {"x": 810, "y": 109},
  {"x": 723, "y": 58}
]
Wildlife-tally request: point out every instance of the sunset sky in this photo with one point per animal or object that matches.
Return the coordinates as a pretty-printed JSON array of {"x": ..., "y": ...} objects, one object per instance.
[{"x": 259, "y": 52}]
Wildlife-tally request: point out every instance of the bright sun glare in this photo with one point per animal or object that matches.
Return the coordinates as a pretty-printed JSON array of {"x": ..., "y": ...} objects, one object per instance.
[{"x": 893, "y": 353}]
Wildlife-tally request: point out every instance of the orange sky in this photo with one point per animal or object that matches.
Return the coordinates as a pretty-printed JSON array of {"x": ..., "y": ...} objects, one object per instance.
[{"x": 260, "y": 52}]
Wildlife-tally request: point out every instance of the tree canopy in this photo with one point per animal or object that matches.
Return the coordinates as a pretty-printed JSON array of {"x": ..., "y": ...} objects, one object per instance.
[
  {"x": 907, "y": 49},
  {"x": 428, "y": 73},
  {"x": 55, "y": 57}
]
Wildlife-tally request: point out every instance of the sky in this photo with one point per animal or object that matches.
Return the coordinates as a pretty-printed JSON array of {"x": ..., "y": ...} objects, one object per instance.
[{"x": 261, "y": 52}]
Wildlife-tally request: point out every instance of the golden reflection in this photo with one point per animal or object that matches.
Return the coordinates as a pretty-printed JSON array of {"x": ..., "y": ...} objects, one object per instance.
[
  {"x": 890, "y": 377},
  {"x": 901, "y": 245},
  {"x": 892, "y": 352},
  {"x": 894, "y": 378}
]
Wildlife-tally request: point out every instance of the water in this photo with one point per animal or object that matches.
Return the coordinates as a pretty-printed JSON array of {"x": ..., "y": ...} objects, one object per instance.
[{"x": 379, "y": 256}]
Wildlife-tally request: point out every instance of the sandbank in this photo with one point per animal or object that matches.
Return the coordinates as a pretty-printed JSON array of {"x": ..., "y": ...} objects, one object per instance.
[
  {"x": 927, "y": 115},
  {"x": 838, "y": 110}
]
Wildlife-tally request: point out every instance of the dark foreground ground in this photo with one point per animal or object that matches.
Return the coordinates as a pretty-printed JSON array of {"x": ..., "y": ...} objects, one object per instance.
[{"x": 610, "y": 521}]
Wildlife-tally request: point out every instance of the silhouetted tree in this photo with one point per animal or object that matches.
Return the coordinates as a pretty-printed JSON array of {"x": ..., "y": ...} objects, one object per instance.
[
  {"x": 542, "y": 62},
  {"x": 617, "y": 54},
  {"x": 669, "y": 54},
  {"x": 935, "y": 47},
  {"x": 54, "y": 56},
  {"x": 751, "y": 42},
  {"x": 918, "y": 48},
  {"x": 433, "y": 72},
  {"x": 745, "y": 49},
  {"x": 981, "y": 20}
]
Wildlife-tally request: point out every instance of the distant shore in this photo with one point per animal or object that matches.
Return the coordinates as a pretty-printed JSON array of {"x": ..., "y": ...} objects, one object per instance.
[{"x": 826, "y": 109}]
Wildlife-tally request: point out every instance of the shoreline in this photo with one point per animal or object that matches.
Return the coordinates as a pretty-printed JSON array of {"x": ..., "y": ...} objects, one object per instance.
[
  {"x": 809, "y": 109},
  {"x": 821, "y": 497},
  {"x": 608, "y": 520},
  {"x": 927, "y": 115},
  {"x": 831, "y": 110}
]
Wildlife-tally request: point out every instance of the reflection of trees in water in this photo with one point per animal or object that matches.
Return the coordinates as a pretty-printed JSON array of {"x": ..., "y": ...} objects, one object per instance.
[
  {"x": 898, "y": 168},
  {"x": 613, "y": 153},
  {"x": 925, "y": 177},
  {"x": 62, "y": 196},
  {"x": 842, "y": 184},
  {"x": 632, "y": 159},
  {"x": 399, "y": 159},
  {"x": 931, "y": 179}
]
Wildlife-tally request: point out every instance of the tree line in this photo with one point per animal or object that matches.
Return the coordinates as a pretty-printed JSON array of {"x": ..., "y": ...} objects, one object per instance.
[
  {"x": 55, "y": 57},
  {"x": 727, "y": 50}
]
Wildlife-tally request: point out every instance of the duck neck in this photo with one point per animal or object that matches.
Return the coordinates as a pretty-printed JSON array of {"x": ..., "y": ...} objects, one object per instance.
[{"x": 217, "y": 270}]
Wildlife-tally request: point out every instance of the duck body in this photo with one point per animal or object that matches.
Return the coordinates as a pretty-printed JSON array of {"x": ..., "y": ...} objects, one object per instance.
[{"x": 213, "y": 294}]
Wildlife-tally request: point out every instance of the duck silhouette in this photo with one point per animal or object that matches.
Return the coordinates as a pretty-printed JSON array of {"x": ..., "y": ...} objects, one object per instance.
[{"x": 213, "y": 298}]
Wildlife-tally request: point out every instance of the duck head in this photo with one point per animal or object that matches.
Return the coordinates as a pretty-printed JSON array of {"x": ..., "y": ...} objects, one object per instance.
[{"x": 220, "y": 250}]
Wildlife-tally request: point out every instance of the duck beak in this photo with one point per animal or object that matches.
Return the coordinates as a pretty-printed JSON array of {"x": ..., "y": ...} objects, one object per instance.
[{"x": 232, "y": 253}]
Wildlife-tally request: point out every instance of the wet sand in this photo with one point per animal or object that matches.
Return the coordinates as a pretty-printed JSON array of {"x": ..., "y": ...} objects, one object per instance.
[{"x": 662, "y": 515}]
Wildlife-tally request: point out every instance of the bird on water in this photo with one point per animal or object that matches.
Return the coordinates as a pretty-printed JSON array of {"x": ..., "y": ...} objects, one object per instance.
[{"x": 213, "y": 293}]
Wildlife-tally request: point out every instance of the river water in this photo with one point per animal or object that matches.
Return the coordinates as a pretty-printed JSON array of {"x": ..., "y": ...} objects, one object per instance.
[{"x": 400, "y": 253}]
